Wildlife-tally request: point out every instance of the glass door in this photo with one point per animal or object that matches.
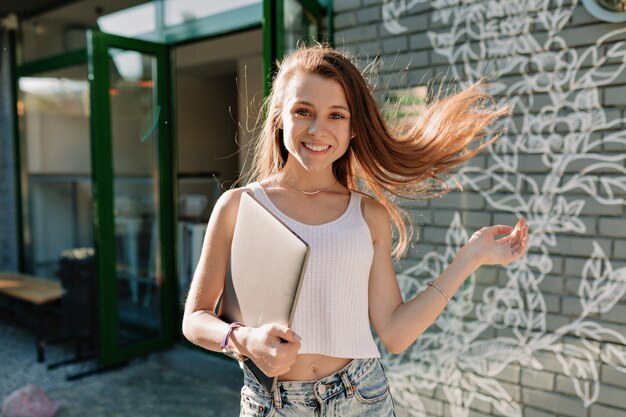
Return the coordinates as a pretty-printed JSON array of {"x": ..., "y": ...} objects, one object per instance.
[
  {"x": 53, "y": 110},
  {"x": 134, "y": 212}
]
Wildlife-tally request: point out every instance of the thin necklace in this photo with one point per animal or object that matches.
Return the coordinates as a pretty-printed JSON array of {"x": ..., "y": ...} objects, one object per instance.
[{"x": 311, "y": 192}]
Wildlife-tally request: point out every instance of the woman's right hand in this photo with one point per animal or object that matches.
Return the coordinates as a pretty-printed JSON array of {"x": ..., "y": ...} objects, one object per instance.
[{"x": 272, "y": 347}]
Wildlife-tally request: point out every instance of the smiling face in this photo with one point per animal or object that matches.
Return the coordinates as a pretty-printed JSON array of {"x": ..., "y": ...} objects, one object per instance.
[{"x": 315, "y": 121}]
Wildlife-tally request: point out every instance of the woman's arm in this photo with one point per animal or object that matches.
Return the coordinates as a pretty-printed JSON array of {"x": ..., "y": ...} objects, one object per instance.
[
  {"x": 265, "y": 345},
  {"x": 398, "y": 323}
]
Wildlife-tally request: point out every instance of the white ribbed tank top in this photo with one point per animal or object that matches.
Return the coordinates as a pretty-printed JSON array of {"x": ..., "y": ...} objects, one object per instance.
[{"x": 332, "y": 314}]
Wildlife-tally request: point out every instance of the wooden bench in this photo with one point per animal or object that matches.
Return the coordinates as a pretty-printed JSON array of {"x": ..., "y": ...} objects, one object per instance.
[{"x": 34, "y": 291}]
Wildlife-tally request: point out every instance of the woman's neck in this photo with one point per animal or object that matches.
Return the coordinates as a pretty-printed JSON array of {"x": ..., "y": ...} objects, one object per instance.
[{"x": 303, "y": 180}]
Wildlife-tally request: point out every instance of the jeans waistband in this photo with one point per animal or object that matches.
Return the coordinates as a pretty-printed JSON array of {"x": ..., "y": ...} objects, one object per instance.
[{"x": 344, "y": 379}]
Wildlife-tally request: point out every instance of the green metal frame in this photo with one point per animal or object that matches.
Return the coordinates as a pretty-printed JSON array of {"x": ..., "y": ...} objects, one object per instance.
[
  {"x": 270, "y": 42},
  {"x": 177, "y": 316},
  {"x": 330, "y": 22},
  {"x": 17, "y": 154},
  {"x": 98, "y": 46},
  {"x": 313, "y": 6},
  {"x": 52, "y": 63},
  {"x": 274, "y": 32}
]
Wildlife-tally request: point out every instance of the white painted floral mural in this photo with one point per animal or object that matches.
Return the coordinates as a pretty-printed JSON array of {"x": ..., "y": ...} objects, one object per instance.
[{"x": 558, "y": 117}]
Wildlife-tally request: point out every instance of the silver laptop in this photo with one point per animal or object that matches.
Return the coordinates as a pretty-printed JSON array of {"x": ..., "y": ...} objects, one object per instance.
[{"x": 267, "y": 263}]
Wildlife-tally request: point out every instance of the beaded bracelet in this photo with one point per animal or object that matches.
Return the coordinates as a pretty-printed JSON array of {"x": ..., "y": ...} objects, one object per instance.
[{"x": 437, "y": 287}]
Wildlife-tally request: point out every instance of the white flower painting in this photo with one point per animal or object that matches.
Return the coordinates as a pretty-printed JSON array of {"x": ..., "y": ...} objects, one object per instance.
[{"x": 558, "y": 118}]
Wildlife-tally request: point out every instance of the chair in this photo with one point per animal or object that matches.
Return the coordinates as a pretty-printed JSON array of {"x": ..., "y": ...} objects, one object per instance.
[{"x": 78, "y": 274}]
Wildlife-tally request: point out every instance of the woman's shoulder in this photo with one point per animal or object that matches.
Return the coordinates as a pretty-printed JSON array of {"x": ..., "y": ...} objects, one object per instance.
[
  {"x": 227, "y": 205},
  {"x": 376, "y": 216},
  {"x": 231, "y": 196},
  {"x": 372, "y": 207}
]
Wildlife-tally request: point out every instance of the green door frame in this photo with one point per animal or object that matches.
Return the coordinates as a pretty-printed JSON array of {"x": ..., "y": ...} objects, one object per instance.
[
  {"x": 102, "y": 162},
  {"x": 103, "y": 192},
  {"x": 274, "y": 31},
  {"x": 20, "y": 183}
]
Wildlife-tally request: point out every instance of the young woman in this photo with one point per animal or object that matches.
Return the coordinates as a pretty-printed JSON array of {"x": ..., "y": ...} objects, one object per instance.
[{"x": 328, "y": 165}]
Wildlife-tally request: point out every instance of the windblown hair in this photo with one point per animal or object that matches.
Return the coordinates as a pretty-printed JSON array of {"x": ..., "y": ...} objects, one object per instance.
[{"x": 411, "y": 160}]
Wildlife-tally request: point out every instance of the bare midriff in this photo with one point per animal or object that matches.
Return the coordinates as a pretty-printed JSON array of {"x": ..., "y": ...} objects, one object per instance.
[{"x": 314, "y": 367}]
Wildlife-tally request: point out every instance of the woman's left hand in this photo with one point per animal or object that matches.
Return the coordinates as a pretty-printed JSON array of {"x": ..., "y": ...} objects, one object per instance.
[{"x": 489, "y": 250}]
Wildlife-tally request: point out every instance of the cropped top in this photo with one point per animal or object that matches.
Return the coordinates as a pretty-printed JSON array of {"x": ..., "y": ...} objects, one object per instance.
[{"x": 332, "y": 314}]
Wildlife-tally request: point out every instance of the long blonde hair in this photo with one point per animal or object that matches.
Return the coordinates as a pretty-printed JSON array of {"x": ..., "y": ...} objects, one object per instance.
[{"x": 381, "y": 161}]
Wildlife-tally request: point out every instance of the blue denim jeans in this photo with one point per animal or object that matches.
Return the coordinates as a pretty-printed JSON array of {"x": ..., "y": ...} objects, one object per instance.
[{"x": 360, "y": 389}]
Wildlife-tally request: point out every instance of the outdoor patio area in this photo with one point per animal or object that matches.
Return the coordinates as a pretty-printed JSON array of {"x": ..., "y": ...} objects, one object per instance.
[{"x": 178, "y": 382}]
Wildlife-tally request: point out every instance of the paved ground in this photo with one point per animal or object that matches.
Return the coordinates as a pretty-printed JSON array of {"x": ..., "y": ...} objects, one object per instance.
[{"x": 180, "y": 382}]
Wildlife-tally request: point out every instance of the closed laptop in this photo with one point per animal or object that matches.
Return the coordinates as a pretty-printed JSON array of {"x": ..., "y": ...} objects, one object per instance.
[{"x": 267, "y": 263}]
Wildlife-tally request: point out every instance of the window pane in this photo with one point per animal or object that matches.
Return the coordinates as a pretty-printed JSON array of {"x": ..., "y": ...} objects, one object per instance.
[
  {"x": 184, "y": 11},
  {"x": 54, "y": 121},
  {"x": 134, "y": 135}
]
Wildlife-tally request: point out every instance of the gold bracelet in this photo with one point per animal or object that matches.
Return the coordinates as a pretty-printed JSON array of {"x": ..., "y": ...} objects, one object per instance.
[{"x": 432, "y": 284}]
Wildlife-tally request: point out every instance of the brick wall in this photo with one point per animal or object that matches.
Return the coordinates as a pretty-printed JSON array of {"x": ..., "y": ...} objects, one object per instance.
[
  {"x": 547, "y": 335},
  {"x": 8, "y": 230}
]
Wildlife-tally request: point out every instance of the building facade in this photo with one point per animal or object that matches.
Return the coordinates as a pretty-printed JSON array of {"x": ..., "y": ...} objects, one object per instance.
[{"x": 544, "y": 336}]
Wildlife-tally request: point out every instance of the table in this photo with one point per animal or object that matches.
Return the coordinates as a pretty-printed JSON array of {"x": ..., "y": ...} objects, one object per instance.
[{"x": 35, "y": 291}]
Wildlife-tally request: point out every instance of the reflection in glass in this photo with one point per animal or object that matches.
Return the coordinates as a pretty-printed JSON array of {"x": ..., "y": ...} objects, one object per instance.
[
  {"x": 51, "y": 34},
  {"x": 134, "y": 134},
  {"x": 184, "y": 11},
  {"x": 131, "y": 21},
  {"x": 300, "y": 25},
  {"x": 54, "y": 124},
  {"x": 151, "y": 20}
]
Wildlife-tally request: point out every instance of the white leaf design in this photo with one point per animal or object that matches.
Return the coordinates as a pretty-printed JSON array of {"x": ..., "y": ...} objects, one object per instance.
[
  {"x": 587, "y": 183},
  {"x": 504, "y": 190},
  {"x": 392, "y": 10},
  {"x": 554, "y": 21},
  {"x": 618, "y": 137},
  {"x": 595, "y": 331},
  {"x": 490, "y": 357},
  {"x": 580, "y": 366},
  {"x": 410, "y": 401},
  {"x": 595, "y": 77},
  {"x": 534, "y": 301},
  {"x": 459, "y": 400},
  {"x": 614, "y": 355},
  {"x": 409, "y": 286},
  {"x": 507, "y": 408},
  {"x": 563, "y": 216},
  {"x": 600, "y": 287},
  {"x": 492, "y": 391},
  {"x": 586, "y": 100},
  {"x": 617, "y": 50},
  {"x": 430, "y": 266},
  {"x": 456, "y": 236},
  {"x": 610, "y": 184}
]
